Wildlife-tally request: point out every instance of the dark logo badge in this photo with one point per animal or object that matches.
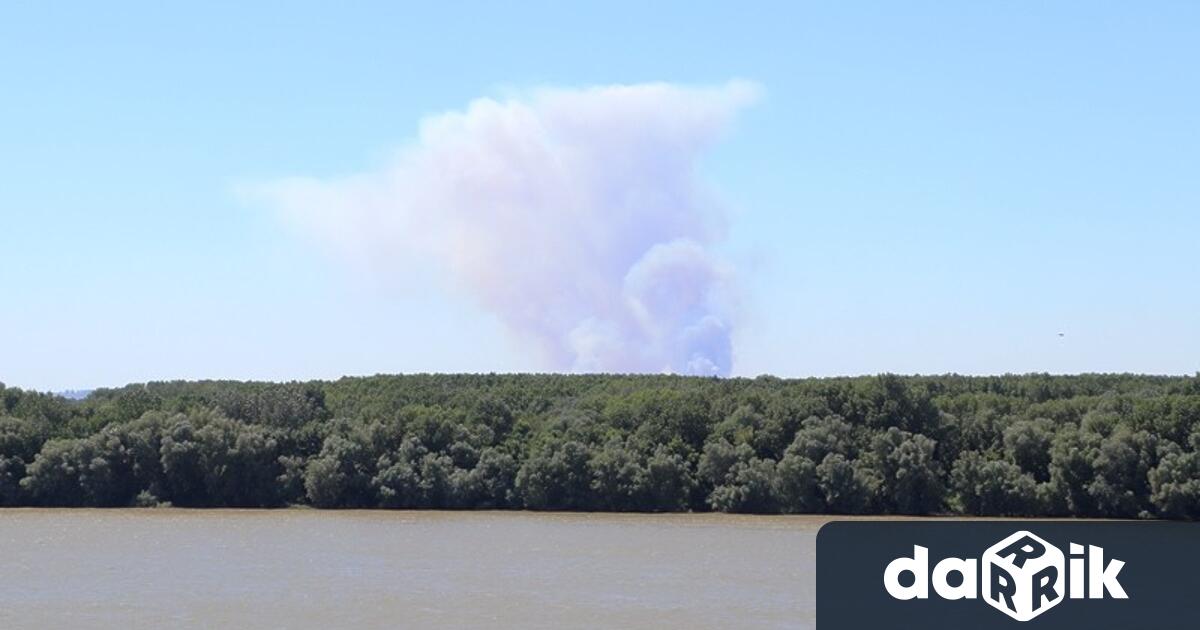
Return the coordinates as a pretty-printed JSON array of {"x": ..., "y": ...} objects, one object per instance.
[{"x": 1004, "y": 574}]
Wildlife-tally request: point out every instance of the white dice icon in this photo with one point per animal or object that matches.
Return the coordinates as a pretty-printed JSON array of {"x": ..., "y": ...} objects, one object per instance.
[{"x": 1023, "y": 576}]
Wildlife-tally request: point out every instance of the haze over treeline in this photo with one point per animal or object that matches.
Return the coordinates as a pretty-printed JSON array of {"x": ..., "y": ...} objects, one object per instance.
[{"x": 1033, "y": 445}]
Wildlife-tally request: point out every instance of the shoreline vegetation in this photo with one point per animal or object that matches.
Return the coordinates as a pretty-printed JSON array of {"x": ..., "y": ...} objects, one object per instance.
[{"x": 1092, "y": 445}]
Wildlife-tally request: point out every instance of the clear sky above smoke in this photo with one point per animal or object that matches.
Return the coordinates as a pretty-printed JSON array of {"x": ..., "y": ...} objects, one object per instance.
[{"x": 788, "y": 189}]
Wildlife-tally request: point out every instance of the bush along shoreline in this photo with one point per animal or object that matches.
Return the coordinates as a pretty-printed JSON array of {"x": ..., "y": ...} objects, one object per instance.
[{"x": 1118, "y": 446}]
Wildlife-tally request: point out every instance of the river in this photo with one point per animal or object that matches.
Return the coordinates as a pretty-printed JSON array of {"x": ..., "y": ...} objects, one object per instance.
[{"x": 301, "y": 568}]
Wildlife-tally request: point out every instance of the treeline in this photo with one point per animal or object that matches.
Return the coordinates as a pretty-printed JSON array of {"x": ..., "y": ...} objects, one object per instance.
[{"x": 1091, "y": 445}]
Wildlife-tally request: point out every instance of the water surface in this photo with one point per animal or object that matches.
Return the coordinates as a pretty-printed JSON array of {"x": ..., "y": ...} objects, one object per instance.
[{"x": 327, "y": 569}]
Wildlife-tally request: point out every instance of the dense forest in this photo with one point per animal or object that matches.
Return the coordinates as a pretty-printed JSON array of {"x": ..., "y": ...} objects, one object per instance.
[{"x": 1090, "y": 445}]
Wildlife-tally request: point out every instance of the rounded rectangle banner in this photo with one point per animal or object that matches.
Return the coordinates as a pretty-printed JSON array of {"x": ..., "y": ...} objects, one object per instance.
[{"x": 1006, "y": 574}]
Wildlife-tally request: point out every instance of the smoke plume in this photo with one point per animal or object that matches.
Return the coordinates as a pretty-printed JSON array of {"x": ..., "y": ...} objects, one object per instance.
[{"x": 575, "y": 216}]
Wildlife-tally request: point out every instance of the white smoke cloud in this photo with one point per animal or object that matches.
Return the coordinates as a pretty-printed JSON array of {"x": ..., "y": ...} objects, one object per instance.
[{"x": 575, "y": 216}]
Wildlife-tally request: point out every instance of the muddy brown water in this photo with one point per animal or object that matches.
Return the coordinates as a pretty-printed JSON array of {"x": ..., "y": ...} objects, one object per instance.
[{"x": 298, "y": 568}]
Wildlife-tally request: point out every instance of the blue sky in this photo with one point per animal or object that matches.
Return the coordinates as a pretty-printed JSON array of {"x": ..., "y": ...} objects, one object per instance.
[{"x": 920, "y": 187}]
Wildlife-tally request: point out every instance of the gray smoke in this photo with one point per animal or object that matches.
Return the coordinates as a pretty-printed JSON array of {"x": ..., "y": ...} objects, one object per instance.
[{"x": 575, "y": 216}]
